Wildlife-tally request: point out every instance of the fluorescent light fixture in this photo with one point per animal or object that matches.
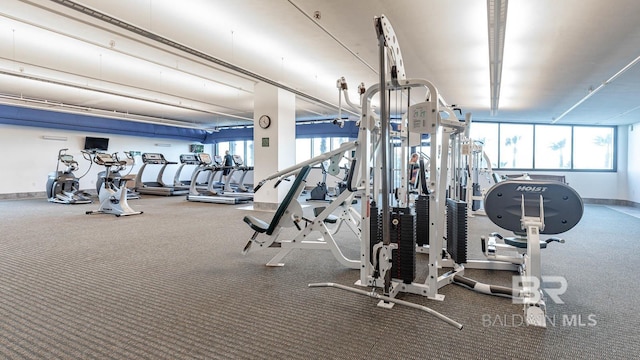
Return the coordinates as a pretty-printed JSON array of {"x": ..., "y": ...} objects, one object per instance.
[
  {"x": 496, "y": 25},
  {"x": 53, "y": 137},
  {"x": 163, "y": 145},
  {"x": 100, "y": 70}
]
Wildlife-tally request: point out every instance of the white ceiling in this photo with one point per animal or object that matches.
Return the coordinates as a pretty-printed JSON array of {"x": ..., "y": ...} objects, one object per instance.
[{"x": 195, "y": 62}]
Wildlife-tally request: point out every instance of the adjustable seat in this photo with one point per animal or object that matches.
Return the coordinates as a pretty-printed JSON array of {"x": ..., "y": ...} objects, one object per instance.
[{"x": 260, "y": 226}]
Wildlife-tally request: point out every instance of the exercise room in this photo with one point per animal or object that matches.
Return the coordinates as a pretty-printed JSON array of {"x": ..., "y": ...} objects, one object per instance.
[{"x": 300, "y": 179}]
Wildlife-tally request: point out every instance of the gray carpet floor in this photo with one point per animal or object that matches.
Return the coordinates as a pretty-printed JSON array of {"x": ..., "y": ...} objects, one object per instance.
[{"x": 171, "y": 284}]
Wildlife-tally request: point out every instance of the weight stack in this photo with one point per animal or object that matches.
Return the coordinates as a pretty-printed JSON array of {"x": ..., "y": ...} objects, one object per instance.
[
  {"x": 462, "y": 190},
  {"x": 457, "y": 230},
  {"x": 475, "y": 205},
  {"x": 422, "y": 220},
  {"x": 375, "y": 234},
  {"x": 404, "y": 234}
]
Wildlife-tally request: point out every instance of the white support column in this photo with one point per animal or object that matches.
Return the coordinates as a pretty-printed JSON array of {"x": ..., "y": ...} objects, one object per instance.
[{"x": 275, "y": 146}]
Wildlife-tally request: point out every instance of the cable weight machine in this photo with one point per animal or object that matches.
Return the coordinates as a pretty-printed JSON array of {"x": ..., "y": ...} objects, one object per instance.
[
  {"x": 436, "y": 224},
  {"x": 388, "y": 238}
]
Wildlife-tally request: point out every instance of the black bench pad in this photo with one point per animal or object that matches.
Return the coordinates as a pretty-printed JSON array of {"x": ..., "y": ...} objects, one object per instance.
[{"x": 256, "y": 224}]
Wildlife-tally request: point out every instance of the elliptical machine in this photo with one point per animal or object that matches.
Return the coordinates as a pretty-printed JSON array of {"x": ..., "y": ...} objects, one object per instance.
[
  {"x": 113, "y": 197},
  {"x": 63, "y": 187}
]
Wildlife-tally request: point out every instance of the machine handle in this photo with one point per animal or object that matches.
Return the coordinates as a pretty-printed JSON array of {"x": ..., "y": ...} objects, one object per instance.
[
  {"x": 279, "y": 181},
  {"x": 257, "y": 187},
  {"x": 552, "y": 239}
]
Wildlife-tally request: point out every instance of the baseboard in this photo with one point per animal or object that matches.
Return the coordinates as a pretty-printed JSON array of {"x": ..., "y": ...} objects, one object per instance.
[
  {"x": 611, "y": 202},
  {"x": 25, "y": 195},
  {"x": 33, "y": 195}
]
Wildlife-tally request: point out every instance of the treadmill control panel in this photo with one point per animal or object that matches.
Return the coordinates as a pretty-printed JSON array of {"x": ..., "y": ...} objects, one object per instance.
[
  {"x": 153, "y": 158},
  {"x": 205, "y": 158},
  {"x": 189, "y": 159}
]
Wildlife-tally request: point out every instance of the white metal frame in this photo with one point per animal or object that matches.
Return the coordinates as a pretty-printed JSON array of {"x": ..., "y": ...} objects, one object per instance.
[{"x": 342, "y": 203}]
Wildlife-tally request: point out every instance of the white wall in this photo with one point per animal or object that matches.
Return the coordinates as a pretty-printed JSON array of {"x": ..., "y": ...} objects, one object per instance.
[
  {"x": 596, "y": 185},
  {"x": 623, "y": 163},
  {"x": 633, "y": 170},
  {"x": 589, "y": 185},
  {"x": 28, "y": 158}
]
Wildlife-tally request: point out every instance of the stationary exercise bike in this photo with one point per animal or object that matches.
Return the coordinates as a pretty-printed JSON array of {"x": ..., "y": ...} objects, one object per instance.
[
  {"x": 63, "y": 185},
  {"x": 320, "y": 191},
  {"x": 117, "y": 178},
  {"x": 113, "y": 197}
]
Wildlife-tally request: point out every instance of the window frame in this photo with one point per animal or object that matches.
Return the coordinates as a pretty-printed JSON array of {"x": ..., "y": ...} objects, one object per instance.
[
  {"x": 614, "y": 147},
  {"x": 331, "y": 140}
]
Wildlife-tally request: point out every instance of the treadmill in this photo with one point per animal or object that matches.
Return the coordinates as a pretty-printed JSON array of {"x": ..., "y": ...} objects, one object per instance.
[
  {"x": 185, "y": 159},
  {"x": 240, "y": 186},
  {"x": 157, "y": 187},
  {"x": 209, "y": 194}
]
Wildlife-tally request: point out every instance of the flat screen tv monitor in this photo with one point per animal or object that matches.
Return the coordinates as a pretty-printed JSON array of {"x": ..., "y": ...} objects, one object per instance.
[{"x": 96, "y": 144}]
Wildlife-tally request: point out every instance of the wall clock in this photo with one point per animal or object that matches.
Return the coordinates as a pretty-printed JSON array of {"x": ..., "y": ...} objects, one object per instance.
[{"x": 264, "y": 121}]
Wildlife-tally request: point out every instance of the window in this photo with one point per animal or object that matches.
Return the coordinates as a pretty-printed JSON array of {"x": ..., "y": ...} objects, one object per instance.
[
  {"x": 337, "y": 141},
  {"x": 594, "y": 148},
  {"x": 221, "y": 148},
  {"x": 303, "y": 150},
  {"x": 240, "y": 147},
  {"x": 248, "y": 160},
  {"x": 237, "y": 148},
  {"x": 516, "y": 146},
  {"x": 547, "y": 147},
  {"x": 553, "y": 147},
  {"x": 487, "y": 135},
  {"x": 320, "y": 146},
  {"x": 306, "y": 148},
  {"x": 508, "y": 146}
]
